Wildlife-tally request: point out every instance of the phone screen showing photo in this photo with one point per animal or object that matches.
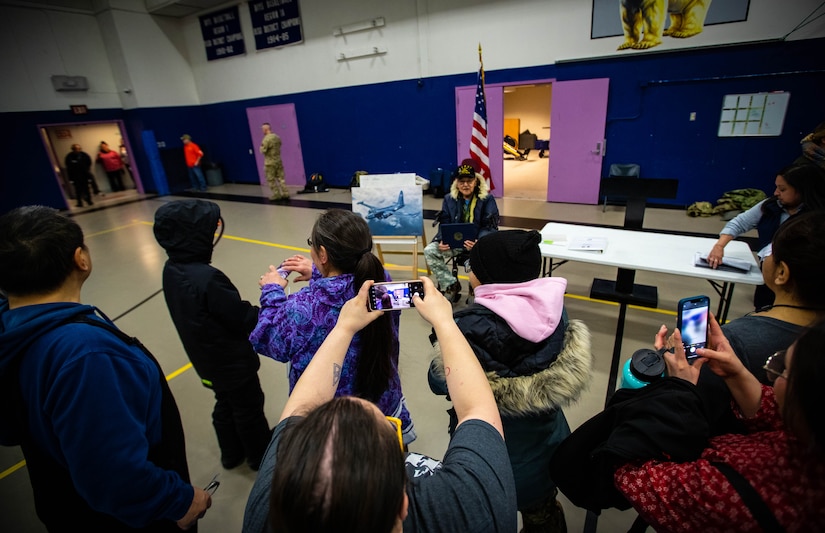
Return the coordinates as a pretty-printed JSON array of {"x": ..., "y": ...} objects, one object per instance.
[
  {"x": 693, "y": 323},
  {"x": 394, "y": 296}
]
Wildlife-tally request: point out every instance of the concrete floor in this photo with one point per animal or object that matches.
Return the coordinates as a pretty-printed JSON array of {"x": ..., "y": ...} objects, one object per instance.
[{"x": 126, "y": 284}]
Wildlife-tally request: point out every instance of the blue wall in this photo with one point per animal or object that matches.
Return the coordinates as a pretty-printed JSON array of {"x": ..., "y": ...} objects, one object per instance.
[{"x": 410, "y": 125}]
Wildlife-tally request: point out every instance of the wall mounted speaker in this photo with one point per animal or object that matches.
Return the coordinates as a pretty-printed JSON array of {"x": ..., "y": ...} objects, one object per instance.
[{"x": 70, "y": 83}]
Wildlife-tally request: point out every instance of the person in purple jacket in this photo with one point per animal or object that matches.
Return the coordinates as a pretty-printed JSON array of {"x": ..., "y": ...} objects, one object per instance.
[{"x": 292, "y": 327}]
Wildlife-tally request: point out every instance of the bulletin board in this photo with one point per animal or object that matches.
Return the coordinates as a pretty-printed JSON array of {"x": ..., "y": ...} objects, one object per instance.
[{"x": 753, "y": 115}]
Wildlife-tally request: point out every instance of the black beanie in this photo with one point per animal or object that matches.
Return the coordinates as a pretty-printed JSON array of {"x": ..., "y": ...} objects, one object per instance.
[{"x": 510, "y": 256}]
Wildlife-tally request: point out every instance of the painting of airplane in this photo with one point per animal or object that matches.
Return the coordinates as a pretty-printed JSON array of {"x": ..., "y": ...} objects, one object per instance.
[{"x": 380, "y": 213}]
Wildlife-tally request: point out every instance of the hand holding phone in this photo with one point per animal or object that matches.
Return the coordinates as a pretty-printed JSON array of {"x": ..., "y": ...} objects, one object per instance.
[
  {"x": 692, "y": 320},
  {"x": 394, "y": 295}
]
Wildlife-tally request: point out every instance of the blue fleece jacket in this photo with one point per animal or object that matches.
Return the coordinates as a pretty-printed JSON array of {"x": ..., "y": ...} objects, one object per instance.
[{"x": 93, "y": 406}]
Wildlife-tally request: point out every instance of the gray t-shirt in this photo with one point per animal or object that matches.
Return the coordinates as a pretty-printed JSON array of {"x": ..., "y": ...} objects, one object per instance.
[{"x": 472, "y": 490}]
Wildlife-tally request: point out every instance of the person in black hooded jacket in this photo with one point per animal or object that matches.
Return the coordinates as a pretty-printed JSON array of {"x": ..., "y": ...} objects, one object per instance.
[{"x": 214, "y": 325}]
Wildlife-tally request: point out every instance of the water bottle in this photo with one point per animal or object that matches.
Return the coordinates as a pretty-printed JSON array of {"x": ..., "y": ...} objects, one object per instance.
[{"x": 644, "y": 366}]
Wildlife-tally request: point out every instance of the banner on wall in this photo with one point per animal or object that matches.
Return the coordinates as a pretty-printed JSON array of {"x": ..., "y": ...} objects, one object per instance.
[
  {"x": 644, "y": 26},
  {"x": 275, "y": 23},
  {"x": 222, "y": 35}
]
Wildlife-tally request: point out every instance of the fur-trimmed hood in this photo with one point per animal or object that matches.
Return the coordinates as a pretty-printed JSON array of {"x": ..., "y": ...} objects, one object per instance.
[
  {"x": 483, "y": 188},
  {"x": 558, "y": 385}
]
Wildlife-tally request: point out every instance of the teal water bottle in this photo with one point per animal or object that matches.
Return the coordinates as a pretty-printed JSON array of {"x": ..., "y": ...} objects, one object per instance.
[{"x": 643, "y": 367}]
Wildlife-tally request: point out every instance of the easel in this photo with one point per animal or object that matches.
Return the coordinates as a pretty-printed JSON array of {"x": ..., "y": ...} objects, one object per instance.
[{"x": 410, "y": 241}]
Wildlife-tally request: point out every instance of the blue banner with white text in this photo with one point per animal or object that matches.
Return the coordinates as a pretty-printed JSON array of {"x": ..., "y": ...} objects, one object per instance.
[
  {"x": 275, "y": 23},
  {"x": 222, "y": 35}
]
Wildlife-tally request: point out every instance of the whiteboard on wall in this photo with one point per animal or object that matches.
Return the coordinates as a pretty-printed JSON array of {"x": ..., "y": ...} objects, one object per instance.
[{"x": 753, "y": 115}]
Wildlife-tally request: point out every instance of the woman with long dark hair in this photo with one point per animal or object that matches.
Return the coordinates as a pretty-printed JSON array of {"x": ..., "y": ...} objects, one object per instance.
[{"x": 292, "y": 327}]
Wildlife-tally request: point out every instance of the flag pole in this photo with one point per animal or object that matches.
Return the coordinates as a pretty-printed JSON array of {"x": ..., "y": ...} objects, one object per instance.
[{"x": 481, "y": 63}]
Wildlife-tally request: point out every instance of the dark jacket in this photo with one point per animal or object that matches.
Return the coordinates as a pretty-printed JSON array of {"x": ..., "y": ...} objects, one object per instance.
[
  {"x": 78, "y": 165},
  {"x": 663, "y": 421},
  {"x": 97, "y": 423},
  {"x": 212, "y": 320},
  {"x": 485, "y": 214},
  {"x": 531, "y": 382}
]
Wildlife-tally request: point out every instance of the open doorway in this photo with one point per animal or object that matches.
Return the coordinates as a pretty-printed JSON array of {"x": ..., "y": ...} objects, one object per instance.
[
  {"x": 526, "y": 114},
  {"x": 58, "y": 140}
]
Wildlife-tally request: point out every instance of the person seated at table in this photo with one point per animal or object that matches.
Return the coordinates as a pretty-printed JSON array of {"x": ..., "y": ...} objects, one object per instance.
[
  {"x": 536, "y": 360},
  {"x": 778, "y": 463},
  {"x": 794, "y": 273},
  {"x": 469, "y": 200},
  {"x": 337, "y": 463},
  {"x": 798, "y": 188}
]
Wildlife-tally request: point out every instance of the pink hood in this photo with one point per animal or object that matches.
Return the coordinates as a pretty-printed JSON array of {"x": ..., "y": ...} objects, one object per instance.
[{"x": 532, "y": 309}]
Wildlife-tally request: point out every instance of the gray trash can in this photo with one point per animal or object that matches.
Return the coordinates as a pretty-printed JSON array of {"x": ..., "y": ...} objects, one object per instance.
[{"x": 214, "y": 176}]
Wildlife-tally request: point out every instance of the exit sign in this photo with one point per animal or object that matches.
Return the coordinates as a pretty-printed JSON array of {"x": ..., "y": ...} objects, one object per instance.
[{"x": 79, "y": 109}]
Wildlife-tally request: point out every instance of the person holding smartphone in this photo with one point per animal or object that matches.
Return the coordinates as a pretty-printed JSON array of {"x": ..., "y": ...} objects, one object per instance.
[
  {"x": 793, "y": 272},
  {"x": 771, "y": 477},
  {"x": 291, "y": 327},
  {"x": 337, "y": 464}
]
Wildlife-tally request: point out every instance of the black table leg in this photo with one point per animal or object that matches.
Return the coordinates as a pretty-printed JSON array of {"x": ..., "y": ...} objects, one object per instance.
[{"x": 617, "y": 353}]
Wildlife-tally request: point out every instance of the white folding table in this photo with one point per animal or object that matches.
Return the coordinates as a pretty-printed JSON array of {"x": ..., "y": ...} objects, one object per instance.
[{"x": 630, "y": 250}]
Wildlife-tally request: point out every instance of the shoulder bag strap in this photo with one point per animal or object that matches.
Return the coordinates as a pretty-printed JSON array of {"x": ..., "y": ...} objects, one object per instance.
[{"x": 756, "y": 505}]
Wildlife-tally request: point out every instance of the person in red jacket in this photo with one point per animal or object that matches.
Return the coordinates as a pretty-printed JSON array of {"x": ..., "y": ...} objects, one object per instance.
[
  {"x": 113, "y": 165},
  {"x": 194, "y": 155}
]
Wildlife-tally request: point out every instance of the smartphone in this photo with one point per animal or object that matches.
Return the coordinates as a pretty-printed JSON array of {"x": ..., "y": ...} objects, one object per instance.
[
  {"x": 394, "y": 295},
  {"x": 692, "y": 321}
]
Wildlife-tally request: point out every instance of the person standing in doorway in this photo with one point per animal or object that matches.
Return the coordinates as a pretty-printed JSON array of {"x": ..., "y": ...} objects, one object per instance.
[
  {"x": 273, "y": 166},
  {"x": 124, "y": 156},
  {"x": 78, "y": 164},
  {"x": 194, "y": 155},
  {"x": 113, "y": 166}
]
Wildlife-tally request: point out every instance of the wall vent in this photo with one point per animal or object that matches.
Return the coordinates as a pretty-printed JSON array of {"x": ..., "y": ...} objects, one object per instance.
[{"x": 70, "y": 83}]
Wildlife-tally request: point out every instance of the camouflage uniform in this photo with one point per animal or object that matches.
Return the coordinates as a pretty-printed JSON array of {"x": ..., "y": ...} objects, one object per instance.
[{"x": 273, "y": 166}]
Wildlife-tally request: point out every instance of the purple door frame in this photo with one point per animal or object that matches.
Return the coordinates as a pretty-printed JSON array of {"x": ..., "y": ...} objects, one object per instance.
[
  {"x": 284, "y": 123},
  {"x": 578, "y": 114}
]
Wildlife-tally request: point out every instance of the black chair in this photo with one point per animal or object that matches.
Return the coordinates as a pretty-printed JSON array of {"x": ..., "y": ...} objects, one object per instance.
[{"x": 624, "y": 170}]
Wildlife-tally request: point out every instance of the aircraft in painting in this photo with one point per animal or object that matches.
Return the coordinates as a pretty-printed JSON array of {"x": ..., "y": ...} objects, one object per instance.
[{"x": 381, "y": 213}]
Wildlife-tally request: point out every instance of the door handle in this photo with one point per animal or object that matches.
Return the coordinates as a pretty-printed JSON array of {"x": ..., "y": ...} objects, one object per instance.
[{"x": 600, "y": 148}]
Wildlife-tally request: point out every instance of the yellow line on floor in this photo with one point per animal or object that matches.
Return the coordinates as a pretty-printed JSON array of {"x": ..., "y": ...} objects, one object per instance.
[{"x": 12, "y": 469}]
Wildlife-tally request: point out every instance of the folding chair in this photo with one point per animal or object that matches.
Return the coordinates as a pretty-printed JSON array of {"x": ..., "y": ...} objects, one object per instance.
[{"x": 621, "y": 170}]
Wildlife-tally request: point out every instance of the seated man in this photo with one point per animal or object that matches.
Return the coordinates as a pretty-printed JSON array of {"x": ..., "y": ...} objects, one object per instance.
[
  {"x": 536, "y": 361},
  {"x": 469, "y": 200}
]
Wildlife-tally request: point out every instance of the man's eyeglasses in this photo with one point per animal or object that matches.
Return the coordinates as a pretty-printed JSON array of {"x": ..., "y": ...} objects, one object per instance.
[
  {"x": 396, "y": 423},
  {"x": 466, "y": 180},
  {"x": 775, "y": 366}
]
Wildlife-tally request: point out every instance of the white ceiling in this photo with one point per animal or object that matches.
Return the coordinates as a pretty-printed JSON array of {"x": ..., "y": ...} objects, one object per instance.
[{"x": 168, "y": 8}]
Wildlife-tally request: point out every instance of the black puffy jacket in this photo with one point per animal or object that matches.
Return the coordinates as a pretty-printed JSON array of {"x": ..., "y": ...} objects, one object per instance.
[{"x": 212, "y": 320}]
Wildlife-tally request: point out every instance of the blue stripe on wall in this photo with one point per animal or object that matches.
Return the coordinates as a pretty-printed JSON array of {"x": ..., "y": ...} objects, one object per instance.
[{"x": 407, "y": 126}]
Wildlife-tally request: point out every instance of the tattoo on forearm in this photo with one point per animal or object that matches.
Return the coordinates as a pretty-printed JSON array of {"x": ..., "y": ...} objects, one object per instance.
[{"x": 336, "y": 373}]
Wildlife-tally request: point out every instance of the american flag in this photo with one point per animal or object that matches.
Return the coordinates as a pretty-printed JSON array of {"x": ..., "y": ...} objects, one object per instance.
[{"x": 479, "y": 149}]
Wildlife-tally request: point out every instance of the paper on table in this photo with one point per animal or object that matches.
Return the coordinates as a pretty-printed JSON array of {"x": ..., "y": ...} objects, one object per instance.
[
  {"x": 554, "y": 239},
  {"x": 589, "y": 244}
]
